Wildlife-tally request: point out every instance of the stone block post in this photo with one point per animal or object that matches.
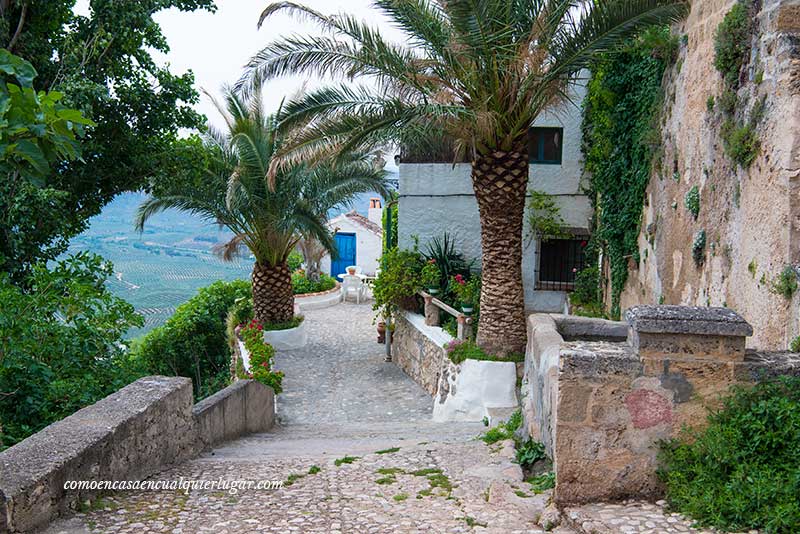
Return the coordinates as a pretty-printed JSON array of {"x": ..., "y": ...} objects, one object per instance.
[
  {"x": 686, "y": 333},
  {"x": 464, "y": 327},
  {"x": 431, "y": 311}
]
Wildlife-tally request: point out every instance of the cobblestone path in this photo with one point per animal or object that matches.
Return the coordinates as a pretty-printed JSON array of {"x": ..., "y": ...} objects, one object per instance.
[{"x": 358, "y": 453}]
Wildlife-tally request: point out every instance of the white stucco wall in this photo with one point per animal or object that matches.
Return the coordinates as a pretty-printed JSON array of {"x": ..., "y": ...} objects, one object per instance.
[
  {"x": 438, "y": 197},
  {"x": 368, "y": 245}
]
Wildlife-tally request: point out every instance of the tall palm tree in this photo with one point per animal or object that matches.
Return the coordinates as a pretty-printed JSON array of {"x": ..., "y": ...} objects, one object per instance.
[
  {"x": 478, "y": 71},
  {"x": 267, "y": 216}
]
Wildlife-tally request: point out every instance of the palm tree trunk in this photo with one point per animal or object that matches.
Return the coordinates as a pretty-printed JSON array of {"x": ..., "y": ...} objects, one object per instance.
[
  {"x": 500, "y": 181},
  {"x": 273, "y": 299}
]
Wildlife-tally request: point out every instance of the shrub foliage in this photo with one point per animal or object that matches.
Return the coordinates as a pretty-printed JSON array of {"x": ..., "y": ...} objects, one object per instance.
[
  {"x": 60, "y": 344},
  {"x": 193, "y": 341},
  {"x": 743, "y": 471}
]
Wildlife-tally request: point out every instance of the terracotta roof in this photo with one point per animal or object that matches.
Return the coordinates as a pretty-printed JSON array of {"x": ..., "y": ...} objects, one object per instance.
[{"x": 363, "y": 221}]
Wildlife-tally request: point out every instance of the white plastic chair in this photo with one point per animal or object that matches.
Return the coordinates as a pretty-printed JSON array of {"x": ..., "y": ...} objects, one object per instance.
[{"x": 352, "y": 284}]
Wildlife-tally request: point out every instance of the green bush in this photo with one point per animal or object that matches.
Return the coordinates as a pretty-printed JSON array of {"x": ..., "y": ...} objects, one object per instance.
[
  {"x": 743, "y": 471},
  {"x": 732, "y": 42},
  {"x": 61, "y": 344},
  {"x": 262, "y": 357},
  {"x": 302, "y": 285},
  {"x": 699, "y": 247},
  {"x": 294, "y": 261},
  {"x": 692, "y": 201},
  {"x": 398, "y": 280},
  {"x": 193, "y": 342},
  {"x": 728, "y": 101},
  {"x": 794, "y": 346},
  {"x": 741, "y": 142},
  {"x": 785, "y": 283}
]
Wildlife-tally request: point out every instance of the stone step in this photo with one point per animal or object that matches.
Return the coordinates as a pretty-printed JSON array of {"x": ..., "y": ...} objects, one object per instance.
[{"x": 310, "y": 441}]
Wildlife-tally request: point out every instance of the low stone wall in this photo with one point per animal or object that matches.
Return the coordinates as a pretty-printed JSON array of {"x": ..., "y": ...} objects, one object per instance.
[
  {"x": 418, "y": 350},
  {"x": 601, "y": 405},
  {"x": 129, "y": 435},
  {"x": 546, "y": 334}
]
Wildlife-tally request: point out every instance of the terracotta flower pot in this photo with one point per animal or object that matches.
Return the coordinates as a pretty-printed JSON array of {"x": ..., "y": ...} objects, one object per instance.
[{"x": 382, "y": 332}]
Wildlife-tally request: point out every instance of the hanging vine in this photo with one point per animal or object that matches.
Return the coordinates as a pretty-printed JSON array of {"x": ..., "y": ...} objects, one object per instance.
[{"x": 621, "y": 139}]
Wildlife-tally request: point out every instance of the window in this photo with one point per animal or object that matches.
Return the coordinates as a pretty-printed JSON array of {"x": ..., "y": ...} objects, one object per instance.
[
  {"x": 558, "y": 262},
  {"x": 544, "y": 145}
]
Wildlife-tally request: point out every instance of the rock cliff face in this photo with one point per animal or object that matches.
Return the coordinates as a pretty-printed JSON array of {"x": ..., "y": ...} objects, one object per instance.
[{"x": 751, "y": 217}]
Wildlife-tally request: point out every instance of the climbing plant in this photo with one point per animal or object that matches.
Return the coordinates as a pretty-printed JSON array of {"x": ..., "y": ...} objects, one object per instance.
[{"x": 620, "y": 139}]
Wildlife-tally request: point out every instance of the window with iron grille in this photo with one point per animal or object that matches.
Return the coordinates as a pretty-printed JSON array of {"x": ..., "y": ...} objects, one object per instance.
[
  {"x": 558, "y": 262},
  {"x": 545, "y": 145}
]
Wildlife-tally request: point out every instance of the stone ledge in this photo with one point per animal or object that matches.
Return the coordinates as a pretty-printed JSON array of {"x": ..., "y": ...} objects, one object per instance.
[
  {"x": 574, "y": 327},
  {"x": 129, "y": 435},
  {"x": 687, "y": 320}
]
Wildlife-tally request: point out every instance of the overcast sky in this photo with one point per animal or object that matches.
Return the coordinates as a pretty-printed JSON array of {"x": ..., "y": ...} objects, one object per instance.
[{"x": 215, "y": 46}]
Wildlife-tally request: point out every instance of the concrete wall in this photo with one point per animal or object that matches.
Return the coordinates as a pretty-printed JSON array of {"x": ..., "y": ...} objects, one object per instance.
[
  {"x": 417, "y": 350},
  {"x": 129, "y": 435},
  {"x": 602, "y": 407},
  {"x": 438, "y": 197},
  {"x": 369, "y": 245},
  {"x": 751, "y": 216}
]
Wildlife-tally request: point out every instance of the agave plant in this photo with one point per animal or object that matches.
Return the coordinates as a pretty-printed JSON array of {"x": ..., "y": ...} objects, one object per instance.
[
  {"x": 476, "y": 71},
  {"x": 267, "y": 216}
]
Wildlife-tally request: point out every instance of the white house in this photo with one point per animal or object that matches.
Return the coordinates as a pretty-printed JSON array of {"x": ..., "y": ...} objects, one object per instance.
[
  {"x": 437, "y": 197},
  {"x": 359, "y": 240}
]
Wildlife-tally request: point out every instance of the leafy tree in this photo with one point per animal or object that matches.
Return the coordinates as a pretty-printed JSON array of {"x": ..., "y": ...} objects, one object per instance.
[
  {"x": 36, "y": 133},
  {"x": 60, "y": 344},
  {"x": 103, "y": 66},
  {"x": 266, "y": 218},
  {"x": 477, "y": 72}
]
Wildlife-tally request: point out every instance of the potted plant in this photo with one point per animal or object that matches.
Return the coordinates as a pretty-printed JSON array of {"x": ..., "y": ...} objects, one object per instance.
[
  {"x": 467, "y": 292},
  {"x": 431, "y": 276},
  {"x": 351, "y": 270}
]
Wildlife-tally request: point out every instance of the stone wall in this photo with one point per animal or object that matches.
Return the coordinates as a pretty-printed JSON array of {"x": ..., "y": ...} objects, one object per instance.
[
  {"x": 750, "y": 216},
  {"x": 129, "y": 435},
  {"x": 601, "y": 406},
  {"x": 418, "y": 350}
]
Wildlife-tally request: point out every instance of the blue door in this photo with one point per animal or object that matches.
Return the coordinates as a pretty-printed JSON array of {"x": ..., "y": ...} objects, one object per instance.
[{"x": 346, "y": 246}]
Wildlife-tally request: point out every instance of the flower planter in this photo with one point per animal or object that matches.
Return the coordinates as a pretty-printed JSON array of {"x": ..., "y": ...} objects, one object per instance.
[{"x": 289, "y": 339}]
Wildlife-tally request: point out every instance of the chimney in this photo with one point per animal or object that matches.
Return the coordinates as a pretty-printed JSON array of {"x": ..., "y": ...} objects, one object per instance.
[{"x": 375, "y": 210}]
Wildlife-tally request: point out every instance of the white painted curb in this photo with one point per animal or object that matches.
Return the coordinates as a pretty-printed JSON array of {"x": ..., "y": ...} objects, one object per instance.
[{"x": 479, "y": 386}]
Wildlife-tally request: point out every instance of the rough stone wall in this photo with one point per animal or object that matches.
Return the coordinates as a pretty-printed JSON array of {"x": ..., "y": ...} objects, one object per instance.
[
  {"x": 540, "y": 376},
  {"x": 751, "y": 217},
  {"x": 129, "y": 435},
  {"x": 602, "y": 407},
  {"x": 417, "y": 350}
]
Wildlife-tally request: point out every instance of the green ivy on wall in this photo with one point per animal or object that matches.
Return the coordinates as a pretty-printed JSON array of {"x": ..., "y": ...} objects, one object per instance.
[{"x": 621, "y": 137}]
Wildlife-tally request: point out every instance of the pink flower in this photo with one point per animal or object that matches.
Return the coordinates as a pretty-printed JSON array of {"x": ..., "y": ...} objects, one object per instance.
[
  {"x": 574, "y": 270},
  {"x": 460, "y": 279}
]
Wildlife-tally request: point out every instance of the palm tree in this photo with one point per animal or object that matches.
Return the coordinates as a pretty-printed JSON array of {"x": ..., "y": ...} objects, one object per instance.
[
  {"x": 267, "y": 216},
  {"x": 477, "y": 71}
]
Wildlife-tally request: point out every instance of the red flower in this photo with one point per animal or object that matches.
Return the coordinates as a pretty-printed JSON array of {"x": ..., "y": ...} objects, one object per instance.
[
  {"x": 432, "y": 261},
  {"x": 460, "y": 279},
  {"x": 584, "y": 243}
]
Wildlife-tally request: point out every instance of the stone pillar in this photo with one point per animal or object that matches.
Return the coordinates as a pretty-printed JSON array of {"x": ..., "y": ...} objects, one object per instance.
[
  {"x": 464, "y": 327},
  {"x": 431, "y": 311},
  {"x": 686, "y": 333}
]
